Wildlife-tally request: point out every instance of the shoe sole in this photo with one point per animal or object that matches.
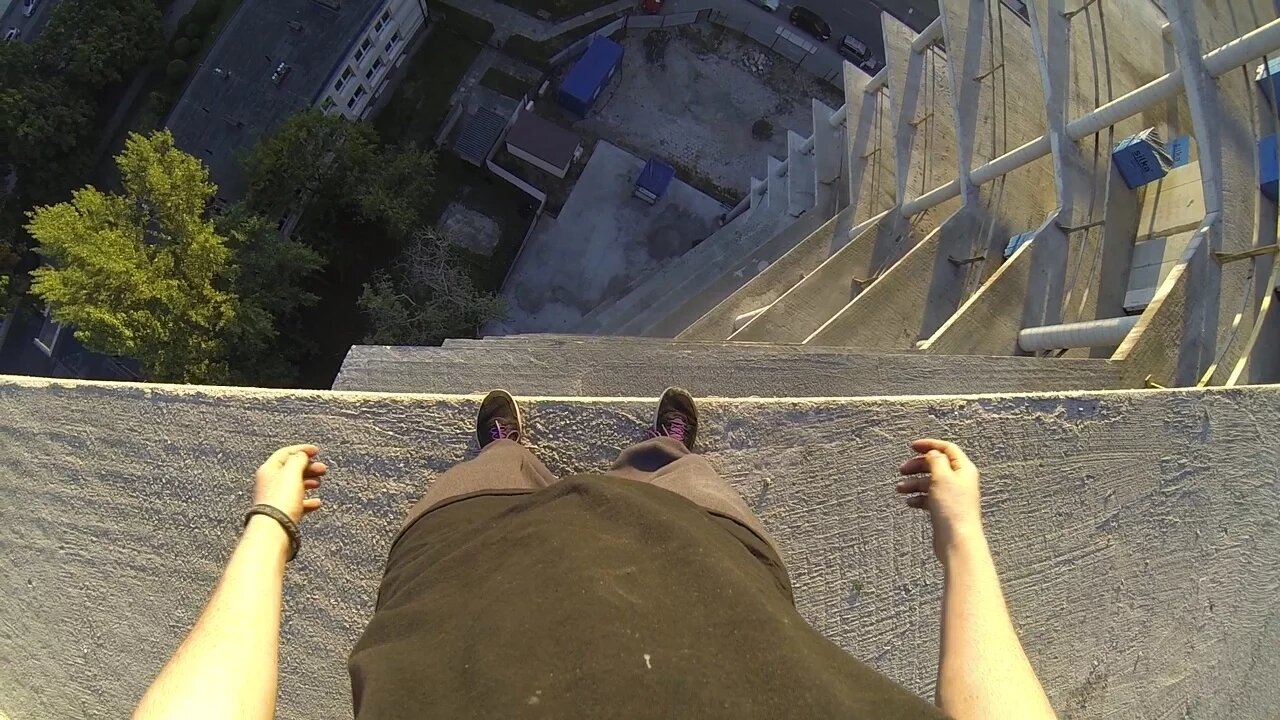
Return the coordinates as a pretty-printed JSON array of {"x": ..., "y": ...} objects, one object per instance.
[{"x": 514, "y": 404}]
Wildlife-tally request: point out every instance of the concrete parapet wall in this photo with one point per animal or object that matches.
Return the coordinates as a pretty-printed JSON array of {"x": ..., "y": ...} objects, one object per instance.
[{"x": 1136, "y": 579}]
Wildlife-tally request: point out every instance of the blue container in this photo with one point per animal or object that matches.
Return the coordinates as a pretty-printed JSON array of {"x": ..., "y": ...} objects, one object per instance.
[
  {"x": 1268, "y": 79},
  {"x": 1138, "y": 159},
  {"x": 654, "y": 180},
  {"x": 1180, "y": 150},
  {"x": 1268, "y": 168},
  {"x": 1018, "y": 241},
  {"x": 589, "y": 75}
]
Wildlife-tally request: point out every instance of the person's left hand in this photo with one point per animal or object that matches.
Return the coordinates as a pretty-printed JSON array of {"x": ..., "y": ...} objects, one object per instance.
[{"x": 284, "y": 478}]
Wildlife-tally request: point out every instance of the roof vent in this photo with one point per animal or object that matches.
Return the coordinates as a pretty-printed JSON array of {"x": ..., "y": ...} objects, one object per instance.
[
  {"x": 282, "y": 70},
  {"x": 295, "y": 26}
]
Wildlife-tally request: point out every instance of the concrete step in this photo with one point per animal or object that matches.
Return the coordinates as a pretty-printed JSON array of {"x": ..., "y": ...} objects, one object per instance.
[
  {"x": 635, "y": 370},
  {"x": 706, "y": 289},
  {"x": 769, "y": 284},
  {"x": 801, "y": 177},
  {"x": 829, "y": 164},
  {"x": 728, "y": 240},
  {"x": 812, "y": 301},
  {"x": 1089, "y": 496}
]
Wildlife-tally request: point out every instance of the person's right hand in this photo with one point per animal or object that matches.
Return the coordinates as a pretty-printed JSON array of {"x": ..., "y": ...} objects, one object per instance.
[{"x": 945, "y": 482}]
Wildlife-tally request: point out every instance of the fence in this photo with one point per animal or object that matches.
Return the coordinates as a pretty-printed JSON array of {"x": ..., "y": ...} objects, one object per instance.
[{"x": 645, "y": 22}]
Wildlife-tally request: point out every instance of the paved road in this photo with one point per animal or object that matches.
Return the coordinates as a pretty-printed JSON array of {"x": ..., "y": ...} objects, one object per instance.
[{"x": 31, "y": 26}]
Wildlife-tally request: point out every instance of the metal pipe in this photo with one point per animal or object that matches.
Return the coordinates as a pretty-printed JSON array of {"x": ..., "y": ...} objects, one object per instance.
[
  {"x": 1095, "y": 333},
  {"x": 1255, "y": 44},
  {"x": 927, "y": 37}
]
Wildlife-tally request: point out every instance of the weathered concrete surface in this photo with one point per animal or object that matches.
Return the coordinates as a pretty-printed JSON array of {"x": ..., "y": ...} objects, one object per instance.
[
  {"x": 914, "y": 297},
  {"x": 1159, "y": 347},
  {"x": 831, "y": 188},
  {"x": 685, "y": 303},
  {"x": 771, "y": 282},
  {"x": 1014, "y": 297},
  {"x": 603, "y": 242},
  {"x": 869, "y": 145},
  {"x": 816, "y": 297},
  {"x": 1224, "y": 305},
  {"x": 1136, "y": 532},
  {"x": 602, "y": 368},
  {"x": 924, "y": 114}
]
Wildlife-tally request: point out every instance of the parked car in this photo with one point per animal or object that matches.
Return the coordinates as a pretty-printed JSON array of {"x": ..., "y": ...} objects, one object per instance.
[
  {"x": 811, "y": 22},
  {"x": 770, "y": 5},
  {"x": 29, "y": 7},
  {"x": 12, "y": 34},
  {"x": 857, "y": 53}
]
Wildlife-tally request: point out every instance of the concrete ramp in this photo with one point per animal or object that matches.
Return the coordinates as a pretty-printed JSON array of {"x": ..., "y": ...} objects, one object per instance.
[{"x": 1136, "y": 532}]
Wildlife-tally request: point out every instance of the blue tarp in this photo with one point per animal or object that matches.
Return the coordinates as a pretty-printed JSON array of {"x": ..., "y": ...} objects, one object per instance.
[
  {"x": 654, "y": 179},
  {"x": 589, "y": 75}
]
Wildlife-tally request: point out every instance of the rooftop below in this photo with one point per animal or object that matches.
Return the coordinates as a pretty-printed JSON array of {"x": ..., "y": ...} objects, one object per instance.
[{"x": 1136, "y": 531}]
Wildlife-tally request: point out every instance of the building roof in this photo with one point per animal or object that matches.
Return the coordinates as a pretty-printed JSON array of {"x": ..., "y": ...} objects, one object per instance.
[
  {"x": 233, "y": 98},
  {"x": 543, "y": 139}
]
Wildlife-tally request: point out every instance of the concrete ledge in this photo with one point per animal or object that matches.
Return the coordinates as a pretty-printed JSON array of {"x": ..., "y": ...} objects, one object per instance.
[
  {"x": 603, "y": 368},
  {"x": 801, "y": 177},
  {"x": 830, "y": 159},
  {"x": 911, "y": 299},
  {"x": 820, "y": 294},
  {"x": 700, "y": 293},
  {"x": 769, "y": 284},
  {"x": 1134, "y": 578}
]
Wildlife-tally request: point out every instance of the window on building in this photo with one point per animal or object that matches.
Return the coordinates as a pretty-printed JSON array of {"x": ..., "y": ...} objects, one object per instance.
[
  {"x": 359, "y": 93},
  {"x": 363, "y": 49},
  {"x": 383, "y": 21},
  {"x": 394, "y": 41},
  {"x": 347, "y": 74},
  {"x": 351, "y": 103},
  {"x": 328, "y": 104},
  {"x": 373, "y": 69}
]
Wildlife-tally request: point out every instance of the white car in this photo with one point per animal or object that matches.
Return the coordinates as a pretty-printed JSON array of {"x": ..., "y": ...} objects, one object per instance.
[
  {"x": 770, "y": 5},
  {"x": 12, "y": 34},
  {"x": 29, "y": 7}
]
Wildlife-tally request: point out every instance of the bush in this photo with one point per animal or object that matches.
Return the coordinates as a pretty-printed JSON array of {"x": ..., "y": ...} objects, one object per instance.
[
  {"x": 193, "y": 29},
  {"x": 762, "y": 130},
  {"x": 183, "y": 48},
  {"x": 176, "y": 71},
  {"x": 205, "y": 11}
]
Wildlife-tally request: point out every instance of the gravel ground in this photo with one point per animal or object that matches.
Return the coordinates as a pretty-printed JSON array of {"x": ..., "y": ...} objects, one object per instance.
[{"x": 691, "y": 95}]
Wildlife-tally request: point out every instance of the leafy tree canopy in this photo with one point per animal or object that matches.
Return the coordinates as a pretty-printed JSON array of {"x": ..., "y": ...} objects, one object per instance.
[{"x": 147, "y": 274}]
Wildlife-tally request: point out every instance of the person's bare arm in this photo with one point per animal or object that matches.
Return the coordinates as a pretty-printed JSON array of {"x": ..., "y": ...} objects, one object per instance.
[
  {"x": 982, "y": 670},
  {"x": 226, "y": 668}
]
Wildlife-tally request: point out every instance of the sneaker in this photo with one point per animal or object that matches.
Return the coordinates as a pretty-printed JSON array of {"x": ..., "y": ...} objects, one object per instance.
[
  {"x": 677, "y": 417},
  {"x": 499, "y": 419}
]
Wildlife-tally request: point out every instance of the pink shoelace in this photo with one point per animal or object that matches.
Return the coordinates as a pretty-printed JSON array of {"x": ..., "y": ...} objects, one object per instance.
[
  {"x": 676, "y": 429},
  {"x": 499, "y": 431}
]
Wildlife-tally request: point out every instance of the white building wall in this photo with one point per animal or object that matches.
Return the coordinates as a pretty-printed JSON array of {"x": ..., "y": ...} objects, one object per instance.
[{"x": 356, "y": 80}]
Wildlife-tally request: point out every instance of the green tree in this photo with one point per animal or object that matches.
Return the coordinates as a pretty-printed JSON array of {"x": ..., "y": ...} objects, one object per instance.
[
  {"x": 425, "y": 297},
  {"x": 93, "y": 43},
  {"x": 311, "y": 158},
  {"x": 397, "y": 190},
  {"x": 142, "y": 274}
]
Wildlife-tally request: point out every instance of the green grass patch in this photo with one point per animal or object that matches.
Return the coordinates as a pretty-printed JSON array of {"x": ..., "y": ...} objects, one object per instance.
[
  {"x": 555, "y": 10},
  {"x": 509, "y": 85},
  {"x": 421, "y": 100}
]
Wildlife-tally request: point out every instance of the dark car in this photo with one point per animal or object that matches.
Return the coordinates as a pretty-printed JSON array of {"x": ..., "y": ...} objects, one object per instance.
[{"x": 811, "y": 22}]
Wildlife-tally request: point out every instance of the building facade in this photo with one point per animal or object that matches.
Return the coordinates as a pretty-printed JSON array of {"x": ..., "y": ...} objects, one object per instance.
[{"x": 362, "y": 74}]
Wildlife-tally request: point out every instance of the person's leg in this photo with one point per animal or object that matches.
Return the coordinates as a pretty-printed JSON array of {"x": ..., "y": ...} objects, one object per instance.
[
  {"x": 668, "y": 461},
  {"x": 504, "y": 464}
]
